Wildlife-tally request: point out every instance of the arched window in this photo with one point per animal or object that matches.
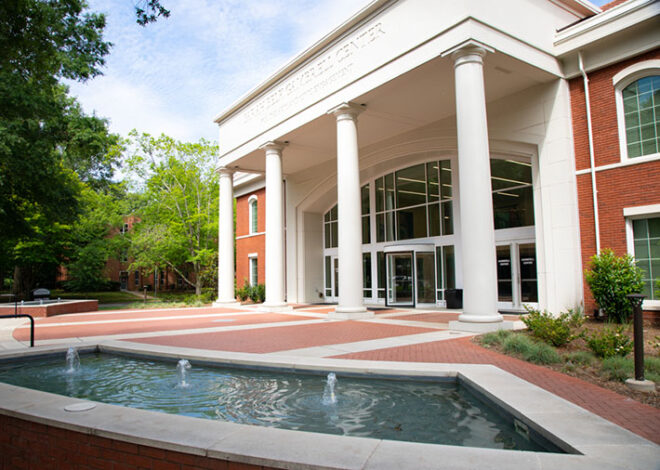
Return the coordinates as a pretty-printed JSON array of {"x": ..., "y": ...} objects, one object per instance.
[
  {"x": 252, "y": 204},
  {"x": 638, "y": 108}
]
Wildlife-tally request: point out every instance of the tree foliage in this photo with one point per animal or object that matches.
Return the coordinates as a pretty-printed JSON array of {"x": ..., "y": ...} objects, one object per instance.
[
  {"x": 611, "y": 278},
  {"x": 178, "y": 222},
  {"x": 148, "y": 11}
]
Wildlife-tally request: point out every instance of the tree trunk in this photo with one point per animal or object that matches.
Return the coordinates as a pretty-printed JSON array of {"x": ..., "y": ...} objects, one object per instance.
[{"x": 23, "y": 282}]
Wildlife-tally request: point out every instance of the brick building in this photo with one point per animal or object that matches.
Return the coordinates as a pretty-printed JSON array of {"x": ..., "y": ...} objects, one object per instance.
[{"x": 406, "y": 158}]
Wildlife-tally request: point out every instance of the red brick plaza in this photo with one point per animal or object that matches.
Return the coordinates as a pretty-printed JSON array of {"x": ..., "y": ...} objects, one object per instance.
[{"x": 305, "y": 331}]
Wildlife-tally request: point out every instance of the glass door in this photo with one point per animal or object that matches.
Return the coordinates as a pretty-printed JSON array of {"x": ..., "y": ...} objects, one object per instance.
[
  {"x": 517, "y": 281},
  {"x": 425, "y": 269},
  {"x": 400, "y": 285}
]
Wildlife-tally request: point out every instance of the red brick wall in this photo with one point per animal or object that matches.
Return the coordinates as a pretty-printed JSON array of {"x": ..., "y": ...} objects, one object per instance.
[
  {"x": 28, "y": 445},
  {"x": 628, "y": 186},
  {"x": 250, "y": 244}
]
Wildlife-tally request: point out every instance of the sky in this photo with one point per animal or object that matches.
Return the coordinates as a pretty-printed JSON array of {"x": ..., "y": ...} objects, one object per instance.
[{"x": 174, "y": 76}]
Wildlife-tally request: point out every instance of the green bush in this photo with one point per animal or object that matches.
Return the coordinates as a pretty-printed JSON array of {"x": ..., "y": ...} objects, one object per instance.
[
  {"x": 617, "y": 368},
  {"x": 495, "y": 337},
  {"x": 582, "y": 358},
  {"x": 611, "y": 278},
  {"x": 258, "y": 293},
  {"x": 609, "y": 342},
  {"x": 553, "y": 330},
  {"x": 517, "y": 344},
  {"x": 541, "y": 353},
  {"x": 244, "y": 292}
]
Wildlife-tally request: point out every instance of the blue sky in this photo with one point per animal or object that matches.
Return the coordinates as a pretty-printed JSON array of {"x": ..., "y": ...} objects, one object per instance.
[{"x": 175, "y": 75}]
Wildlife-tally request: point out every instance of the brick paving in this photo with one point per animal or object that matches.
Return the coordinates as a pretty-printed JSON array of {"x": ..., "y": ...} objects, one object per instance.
[
  {"x": 283, "y": 338},
  {"x": 626, "y": 412}
]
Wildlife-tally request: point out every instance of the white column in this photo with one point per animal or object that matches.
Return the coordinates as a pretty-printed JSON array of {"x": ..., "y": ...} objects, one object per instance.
[
  {"x": 475, "y": 199},
  {"x": 226, "y": 293},
  {"x": 349, "y": 215},
  {"x": 274, "y": 227}
]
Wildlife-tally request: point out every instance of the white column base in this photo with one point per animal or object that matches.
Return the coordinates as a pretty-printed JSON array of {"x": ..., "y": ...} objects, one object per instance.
[
  {"x": 266, "y": 307},
  {"x": 226, "y": 303},
  {"x": 480, "y": 327},
  {"x": 356, "y": 313}
]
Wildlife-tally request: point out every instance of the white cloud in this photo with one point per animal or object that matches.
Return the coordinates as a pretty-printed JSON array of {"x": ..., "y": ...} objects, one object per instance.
[{"x": 175, "y": 75}]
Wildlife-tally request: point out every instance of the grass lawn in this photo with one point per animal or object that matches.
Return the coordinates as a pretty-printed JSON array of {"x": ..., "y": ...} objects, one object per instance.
[{"x": 102, "y": 297}]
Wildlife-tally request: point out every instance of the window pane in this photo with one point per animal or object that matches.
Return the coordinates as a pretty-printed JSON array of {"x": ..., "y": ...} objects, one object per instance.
[
  {"x": 411, "y": 186},
  {"x": 634, "y": 150},
  {"x": 365, "y": 199},
  {"x": 649, "y": 147},
  {"x": 328, "y": 267},
  {"x": 654, "y": 245},
  {"x": 366, "y": 236},
  {"x": 380, "y": 194},
  {"x": 380, "y": 265},
  {"x": 654, "y": 227},
  {"x": 434, "y": 220},
  {"x": 449, "y": 268},
  {"x": 447, "y": 218},
  {"x": 380, "y": 228},
  {"x": 513, "y": 208},
  {"x": 425, "y": 277},
  {"x": 411, "y": 223},
  {"x": 328, "y": 240},
  {"x": 366, "y": 272},
  {"x": 335, "y": 236},
  {"x": 445, "y": 179},
  {"x": 333, "y": 213},
  {"x": 509, "y": 173},
  {"x": 389, "y": 226},
  {"x": 389, "y": 191},
  {"x": 433, "y": 185}
]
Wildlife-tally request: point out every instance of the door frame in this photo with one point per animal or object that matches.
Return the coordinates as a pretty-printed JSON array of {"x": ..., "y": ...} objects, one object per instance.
[
  {"x": 516, "y": 303},
  {"x": 411, "y": 249}
]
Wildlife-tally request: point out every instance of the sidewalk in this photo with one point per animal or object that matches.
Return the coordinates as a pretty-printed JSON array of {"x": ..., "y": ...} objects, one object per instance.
[{"x": 403, "y": 335}]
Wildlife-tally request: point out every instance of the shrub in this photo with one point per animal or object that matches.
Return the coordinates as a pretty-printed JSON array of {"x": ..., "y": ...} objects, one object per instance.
[
  {"x": 244, "y": 292},
  {"x": 611, "y": 278},
  {"x": 652, "y": 368},
  {"x": 582, "y": 358},
  {"x": 541, "y": 353},
  {"x": 495, "y": 337},
  {"x": 553, "y": 330},
  {"x": 609, "y": 342},
  {"x": 617, "y": 368},
  {"x": 517, "y": 344},
  {"x": 258, "y": 293}
]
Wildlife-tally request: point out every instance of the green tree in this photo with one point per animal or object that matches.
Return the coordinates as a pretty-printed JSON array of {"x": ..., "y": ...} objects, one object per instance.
[
  {"x": 44, "y": 136},
  {"x": 179, "y": 220},
  {"x": 611, "y": 278}
]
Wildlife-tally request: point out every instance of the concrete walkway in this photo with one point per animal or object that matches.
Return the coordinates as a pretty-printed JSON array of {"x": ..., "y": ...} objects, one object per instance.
[{"x": 403, "y": 335}]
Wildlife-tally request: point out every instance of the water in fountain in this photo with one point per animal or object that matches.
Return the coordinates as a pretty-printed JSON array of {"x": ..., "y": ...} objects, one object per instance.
[
  {"x": 182, "y": 367},
  {"x": 329, "y": 397},
  {"x": 72, "y": 360}
]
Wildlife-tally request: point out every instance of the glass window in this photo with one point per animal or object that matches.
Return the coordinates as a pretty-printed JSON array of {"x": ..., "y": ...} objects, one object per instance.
[
  {"x": 328, "y": 274},
  {"x": 641, "y": 107},
  {"x": 136, "y": 275},
  {"x": 445, "y": 270},
  {"x": 253, "y": 216},
  {"x": 513, "y": 198},
  {"x": 366, "y": 274},
  {"x": 411, "y": 186},
  {"x": 646, "y": 235},
  {"x": 330, "y": 229},
  {"x": 366, "y": 211},
  {"x": 254, "y": 271},
  {"x": 380, "y": 267},
  {"x": 411, "y": 223}
]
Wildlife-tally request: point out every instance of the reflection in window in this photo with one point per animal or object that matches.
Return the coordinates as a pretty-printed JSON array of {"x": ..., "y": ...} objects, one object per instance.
[
  {"x": 366, "y": 274},
  {"x": 646, "y": 235},
  {"x": 513, "y": 199},
  {"x": 641, "y": 107}
]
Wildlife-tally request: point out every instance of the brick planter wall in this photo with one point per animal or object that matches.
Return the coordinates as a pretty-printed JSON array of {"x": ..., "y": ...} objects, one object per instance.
[
  {"x": 48, "y": 310},
  {"x": 28, "y": 445}
]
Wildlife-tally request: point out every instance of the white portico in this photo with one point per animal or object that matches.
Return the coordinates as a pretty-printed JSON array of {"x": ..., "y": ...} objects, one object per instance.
[{"x": 419, "y": 148}]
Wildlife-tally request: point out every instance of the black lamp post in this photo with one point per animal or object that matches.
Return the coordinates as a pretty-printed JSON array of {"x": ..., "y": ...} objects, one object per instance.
[{"x": 638, "y": 333}]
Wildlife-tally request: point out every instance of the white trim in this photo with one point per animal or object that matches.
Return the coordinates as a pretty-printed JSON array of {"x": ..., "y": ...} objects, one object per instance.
[
  {"x": 628, "y": 162},
  {"x": 253, "y": 255},
  {"x": 250, "y": 235},
  {"x": 638, "y": 211},
  {"x": 620, "y": 81}
]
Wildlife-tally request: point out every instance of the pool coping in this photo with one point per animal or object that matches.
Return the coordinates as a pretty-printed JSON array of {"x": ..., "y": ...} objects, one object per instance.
[{"x": 596, "y": 442}]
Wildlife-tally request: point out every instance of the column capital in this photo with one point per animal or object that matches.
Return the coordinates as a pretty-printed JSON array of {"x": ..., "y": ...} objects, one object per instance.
[
  {"x": 468, "y": 51},
  {"x": 273, "y": 146},
  {"x": 225, "y": 170},
  {"x": 347, "y": 110}
]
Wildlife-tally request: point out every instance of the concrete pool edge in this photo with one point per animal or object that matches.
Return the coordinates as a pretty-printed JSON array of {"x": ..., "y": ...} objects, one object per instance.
[{"x": 562, "y": 422}]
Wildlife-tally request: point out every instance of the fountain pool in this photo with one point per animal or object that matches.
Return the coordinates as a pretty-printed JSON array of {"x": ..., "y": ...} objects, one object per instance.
[
  {"x": 439, "y": 411},
  {"x": 588, "y": 440}
]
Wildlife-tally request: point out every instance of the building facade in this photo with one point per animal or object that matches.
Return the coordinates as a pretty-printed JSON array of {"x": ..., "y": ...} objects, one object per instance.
[{"x": 423, "y": 147}]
